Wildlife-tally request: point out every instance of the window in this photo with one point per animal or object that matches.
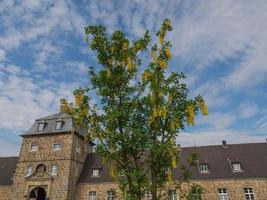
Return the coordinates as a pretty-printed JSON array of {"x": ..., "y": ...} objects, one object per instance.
[
  {"x": 59, "y": 125},
  {"x": 222, "y": 193},
  {"x": 95, "y": 173},
  {"x": 203, "y": 168},
  {"x": 249, "y": 193},
  {"x": 92, "y": 195},
  {"x": 41, "y": 126},
  {"x": 78, "y": 148},
  {"x": 110, "y": 195},
  {"x": 34, "y": 147},
  {"x": 236, "y": 166},
  {"x": 57, "y": 147},
  {"x": 148, "y": 196},
  {"x": 172, "y": 195},
  {"x": 29, "y": 171},
  {"x": 54, "y": 169}
]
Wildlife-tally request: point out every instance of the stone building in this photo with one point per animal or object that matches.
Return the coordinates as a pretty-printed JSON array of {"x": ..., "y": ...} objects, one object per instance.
[{"x": 56, "y": 164}]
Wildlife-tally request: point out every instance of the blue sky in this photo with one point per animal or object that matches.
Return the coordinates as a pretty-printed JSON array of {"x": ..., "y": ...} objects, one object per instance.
[{"x": 220, "y": 45}]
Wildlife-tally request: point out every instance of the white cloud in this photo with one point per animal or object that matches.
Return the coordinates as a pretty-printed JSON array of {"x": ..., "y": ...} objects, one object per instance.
[
  {"x": 2, "y": 55},
  {"x": 215, "y": 137},
  {"x": 248, "y": 110},
  {"x": 22, "y": 99},
  {"x": 217, "y": 120}
]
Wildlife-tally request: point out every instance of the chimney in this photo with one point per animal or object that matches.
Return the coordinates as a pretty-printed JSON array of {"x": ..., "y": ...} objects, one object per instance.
[
  {"x": 224, "y": 144},
  {"x": 178, "y": 147},
  {"x": 63, "y": 105}
]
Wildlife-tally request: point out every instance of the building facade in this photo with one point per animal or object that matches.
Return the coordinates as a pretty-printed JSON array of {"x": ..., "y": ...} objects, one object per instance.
[{"x": 56, "y": 164}]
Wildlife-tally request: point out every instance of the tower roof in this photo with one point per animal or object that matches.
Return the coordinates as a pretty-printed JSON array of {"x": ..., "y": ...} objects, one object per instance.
[{"x": 50, "y": 122}]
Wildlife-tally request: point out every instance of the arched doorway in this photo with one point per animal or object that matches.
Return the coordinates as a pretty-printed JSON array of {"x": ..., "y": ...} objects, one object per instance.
[{"x": 37, "y": 193}]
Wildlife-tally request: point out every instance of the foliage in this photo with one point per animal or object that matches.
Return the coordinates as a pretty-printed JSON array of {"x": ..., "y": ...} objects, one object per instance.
[{"x": 137, "y": 121}]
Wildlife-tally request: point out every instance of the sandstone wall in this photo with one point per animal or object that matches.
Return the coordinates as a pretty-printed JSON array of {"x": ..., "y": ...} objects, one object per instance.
[
  {"x": 235, "y": 189},
  {"x": 5, "y": 192}
]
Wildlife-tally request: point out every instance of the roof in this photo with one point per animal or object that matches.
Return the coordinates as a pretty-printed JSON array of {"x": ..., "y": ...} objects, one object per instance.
[
  {"x": 7, "y": 169},
  {"x": 253, "y": 158},
  {"x": 50, "y": 124}
]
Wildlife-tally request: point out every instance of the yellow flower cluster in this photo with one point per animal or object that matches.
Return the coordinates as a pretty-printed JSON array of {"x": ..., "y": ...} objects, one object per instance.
[
  {"x": 154, "y": 56},
  {"x": 161, "y": 36},
  {"x": 203, "y": 107},
  {"x": 168, "y": 52},
  {"x": 146, "y": 75},
  {"x": 159, "y": 112},
  {"x": 175, "y": 124},
  {"x": 190, "y": 114},
  {"x": 162, "y": 64},
  {"x": 131, "y": 65},
  {"x": 113, "y": 171}
]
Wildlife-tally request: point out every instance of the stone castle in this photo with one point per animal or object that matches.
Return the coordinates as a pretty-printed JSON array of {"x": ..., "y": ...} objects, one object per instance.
[{"x": 56, "y": 164}]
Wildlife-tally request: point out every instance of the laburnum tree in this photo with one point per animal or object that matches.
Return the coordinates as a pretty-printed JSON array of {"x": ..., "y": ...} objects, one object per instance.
[{"x": 140, "y": 112}]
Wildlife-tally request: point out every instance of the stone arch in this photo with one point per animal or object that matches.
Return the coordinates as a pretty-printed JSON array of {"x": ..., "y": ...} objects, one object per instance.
[
  {"x": 40, "y": 170},
  {"x": 37, "y": 193}
]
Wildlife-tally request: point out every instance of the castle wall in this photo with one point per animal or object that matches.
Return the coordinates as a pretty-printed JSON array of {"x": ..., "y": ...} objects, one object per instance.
[
  {"x": 235, "y": 189},
  {"x": 5, "y": 192}
]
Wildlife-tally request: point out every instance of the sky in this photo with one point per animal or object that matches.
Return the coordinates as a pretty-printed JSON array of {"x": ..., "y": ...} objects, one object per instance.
[{"x": 220, "y": 45}]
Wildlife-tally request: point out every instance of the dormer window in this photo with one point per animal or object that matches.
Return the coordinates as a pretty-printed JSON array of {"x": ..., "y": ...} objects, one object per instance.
[
  {"x": 203, "y": 168},
  {"x": 95, "y": 172},
  {"x": 236, "y": 167},
  {"x": 59, "y": 125},
  {"x": 41, "y": 126}
]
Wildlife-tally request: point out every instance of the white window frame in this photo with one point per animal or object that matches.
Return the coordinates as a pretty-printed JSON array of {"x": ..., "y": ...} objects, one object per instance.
[
  {"x": 78, "y": 148},
  {"x": 249, "y": 194},
  {"x": 41, "y": 126},
  {"x": 223, "y": 194},
  {"x": 54, "y": 169},
  {"x": 34, "y": 147},
  {"x": 110, "y": 195},
  {"x": 203, "y": 168},
  {"x": 95, "y": 172},
  {"x": 173, "y": 195},
  {"x": 56, "y": 147},
  {"x": 58, "y": 125},
  {"x": 92, "y": 195},
  {"x": 236, "y": 167},
  {"x": 29, "y": 171},
  {"x": 149, "y": 195}
]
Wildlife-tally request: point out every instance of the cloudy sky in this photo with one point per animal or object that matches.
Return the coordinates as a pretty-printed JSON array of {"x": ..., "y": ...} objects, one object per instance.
[{"x": 221, "y": 45}]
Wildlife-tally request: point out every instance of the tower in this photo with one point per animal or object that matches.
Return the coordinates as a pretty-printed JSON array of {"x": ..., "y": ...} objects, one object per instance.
[{"x": 51, "y": 159}]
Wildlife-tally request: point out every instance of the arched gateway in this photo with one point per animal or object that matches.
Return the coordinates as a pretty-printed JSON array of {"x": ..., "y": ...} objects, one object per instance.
[{"x": 37, "y": 193}]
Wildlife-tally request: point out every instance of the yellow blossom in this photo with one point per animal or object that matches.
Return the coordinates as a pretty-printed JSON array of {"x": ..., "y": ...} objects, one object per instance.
[
  {"x": 146, "y": 75},
  {"x": 174, "y": 163},
  {"x": 204, "y": 108},
  {"x": 175, "y": 123},
  {"x": 163, "y": 64},
  {"x": 190, "y": 114},
  {"x": 168, "y": 52},
  {"x": 86, "y": 138},
  {"x": 78, "y": 99},
  {"x": 131, "y": 65}
]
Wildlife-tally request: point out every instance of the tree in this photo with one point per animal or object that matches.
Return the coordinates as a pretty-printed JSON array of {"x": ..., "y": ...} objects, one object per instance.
[{"x": 140, "y": 114}]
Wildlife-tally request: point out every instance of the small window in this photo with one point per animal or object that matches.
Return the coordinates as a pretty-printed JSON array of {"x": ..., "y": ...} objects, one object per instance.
[
  {"x": 172, "y": 195},
  {"x": 236, "y": 166},
  {"x": 92, "y": 195},
  {"x": 29, "y": 171},
  {"x": 222, "y": 194},
  {"x": 203, "y": 168},
  {"x": 56, "y": 147},
  {"x": 54, "y": 169},
  {"x": 41, "y": 126},
  {"x": 78, "y": 148},
  {"x": 110, "y": 195},
  {"x": 148, "y": 196},
  {"x": 249, "y": 194},
  {"x": 59, "y": 125},
  {"x": 95, "y": 173},
  {"x": 34, "y": 147}
]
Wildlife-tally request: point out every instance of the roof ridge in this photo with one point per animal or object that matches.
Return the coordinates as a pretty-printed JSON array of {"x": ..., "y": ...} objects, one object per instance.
[{"x": 214, "y": 145}]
